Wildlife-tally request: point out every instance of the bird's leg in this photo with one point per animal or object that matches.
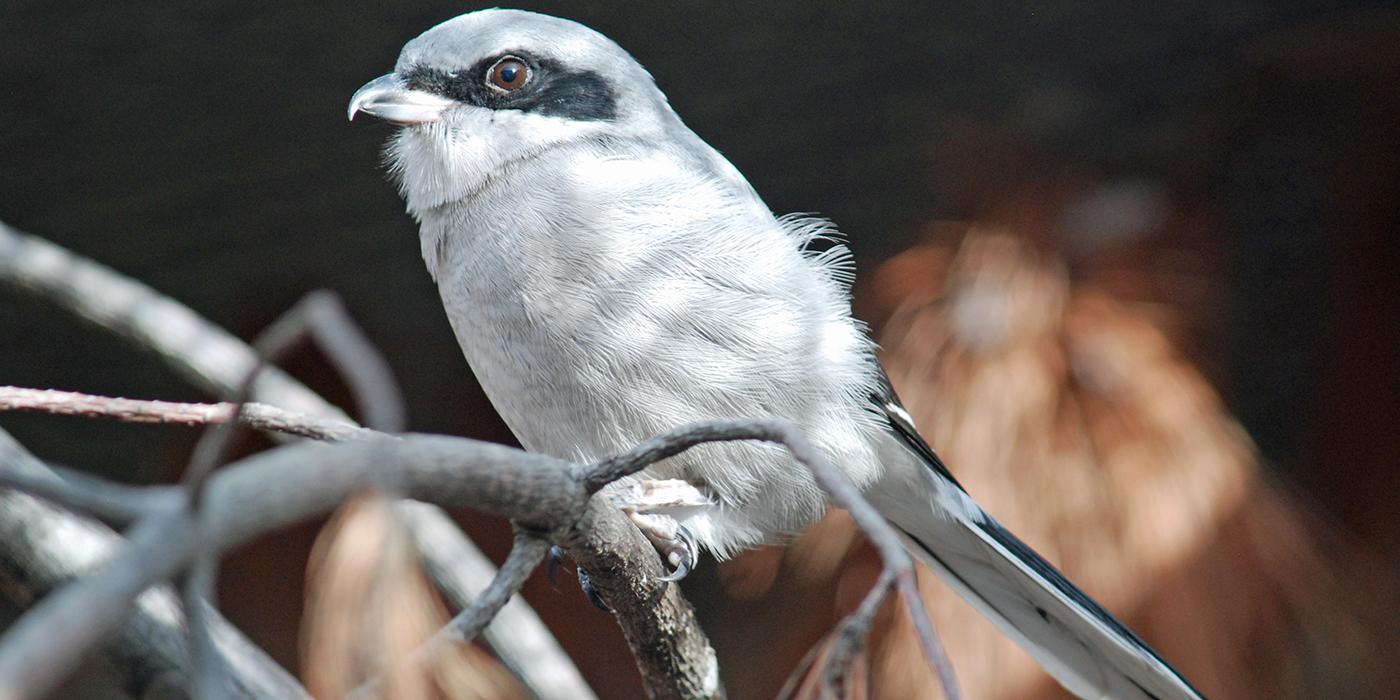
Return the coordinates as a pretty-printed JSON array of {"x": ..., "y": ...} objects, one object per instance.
[{"x": 653, "y": 505}]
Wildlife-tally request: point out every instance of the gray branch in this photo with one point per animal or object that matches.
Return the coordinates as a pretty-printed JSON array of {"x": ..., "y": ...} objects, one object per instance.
[
  {"x": 540, "y": 493},
  {"x": 43, "y": 548},
  {"x": 517, "y": 634},
  {"x": 294, "y": 482}
]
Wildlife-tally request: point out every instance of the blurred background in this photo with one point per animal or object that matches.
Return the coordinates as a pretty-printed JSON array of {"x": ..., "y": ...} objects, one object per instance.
[{"x": 1133, "y": 267}]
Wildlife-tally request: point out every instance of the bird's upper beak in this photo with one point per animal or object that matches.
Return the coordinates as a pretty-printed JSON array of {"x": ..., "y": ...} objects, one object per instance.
[{"x": 391, "y": 99}]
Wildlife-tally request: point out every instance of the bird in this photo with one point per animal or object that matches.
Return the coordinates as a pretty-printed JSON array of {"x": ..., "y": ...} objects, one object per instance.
[{"x": 609, "y": 276}]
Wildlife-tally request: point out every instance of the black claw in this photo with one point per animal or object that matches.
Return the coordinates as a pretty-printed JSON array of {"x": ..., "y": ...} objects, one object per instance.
[
  {"x": 689, "y": 552},
  {"x": 682, "y": 569},
  {"x": 556, "y": 555},
  {"x": 587, "y": 585}
]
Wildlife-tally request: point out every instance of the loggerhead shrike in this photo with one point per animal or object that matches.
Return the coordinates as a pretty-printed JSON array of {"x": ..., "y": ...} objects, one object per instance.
[{"x": 610, "y": 276}]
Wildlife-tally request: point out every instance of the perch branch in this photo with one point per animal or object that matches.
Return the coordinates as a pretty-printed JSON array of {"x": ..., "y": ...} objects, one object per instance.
[
  {"x": 558, "y": 502},
  {"x": 842, "y": 493},
  {"x": 270, "y": 490}
]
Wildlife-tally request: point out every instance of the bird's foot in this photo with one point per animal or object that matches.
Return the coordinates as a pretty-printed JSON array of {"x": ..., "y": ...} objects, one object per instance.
[
  {"x": 556, "y": 555},
  {"x": 672, "y": 541},
  {"x": 654, "y": 506},
  {"x": 586, "y": 584},
  {"x": 676, "y": 498}
]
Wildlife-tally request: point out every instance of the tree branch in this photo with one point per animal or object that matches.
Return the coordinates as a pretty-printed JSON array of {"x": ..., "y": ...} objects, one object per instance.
[
  {"x": 525, "y": 556},
  {"x": 600, "y": 544},
  {"x": 256, "y": 416},
  {"x": 43, "y": 549},
  {"x": 271, "y": 490}
]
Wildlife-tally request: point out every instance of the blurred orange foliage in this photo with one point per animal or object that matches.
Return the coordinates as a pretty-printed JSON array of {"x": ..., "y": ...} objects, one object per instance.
[{"x": 1076, "y": 422}]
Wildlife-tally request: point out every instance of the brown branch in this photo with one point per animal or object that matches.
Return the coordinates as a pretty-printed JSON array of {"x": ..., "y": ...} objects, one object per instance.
[{"x": 255, "y": 416}]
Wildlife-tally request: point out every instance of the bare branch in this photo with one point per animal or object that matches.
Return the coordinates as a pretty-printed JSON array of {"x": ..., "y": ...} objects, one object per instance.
[
  {"x": 321, "y": 317},
  {"x": 199, "y": 593},
  {"x": 43, "y": 549},
  {"x": 200, "y": 351},
  {"x": 288, "y": 484},
  {"x": 849, "y": 636},
  {"x": 84, "y": 494},
  {"x": 522, "y": 641},
  {"x": 267, "y": 491},
  {"x": 256, "y": 416},
  {"x": 538, "y": 491},
  {"x": 524, "y": 558}
]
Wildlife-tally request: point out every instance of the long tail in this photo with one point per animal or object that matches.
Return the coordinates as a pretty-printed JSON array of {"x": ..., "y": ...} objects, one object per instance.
[{"x": 1080, "y": 644}]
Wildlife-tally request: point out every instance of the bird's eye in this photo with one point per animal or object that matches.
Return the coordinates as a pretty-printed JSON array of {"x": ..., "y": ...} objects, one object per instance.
[{"x": 507, "y": 74}]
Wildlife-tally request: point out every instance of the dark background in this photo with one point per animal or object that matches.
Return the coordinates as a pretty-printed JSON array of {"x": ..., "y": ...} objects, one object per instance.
[{"x": 203, "y": 149}]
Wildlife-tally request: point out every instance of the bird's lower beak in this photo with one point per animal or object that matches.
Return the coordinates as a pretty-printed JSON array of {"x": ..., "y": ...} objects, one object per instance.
[{"x": 391, "y": 99}]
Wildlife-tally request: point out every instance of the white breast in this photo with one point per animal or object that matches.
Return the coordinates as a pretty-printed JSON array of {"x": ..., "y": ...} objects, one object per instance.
[{"x": 604, "y": 298}]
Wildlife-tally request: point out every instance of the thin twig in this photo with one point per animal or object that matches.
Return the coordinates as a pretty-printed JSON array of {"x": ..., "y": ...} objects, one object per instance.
[
  {"x": 523, "y": 642},
  {"x": 321, "y": 317},
  {"x": 799, "y": 672},
  {"x": 256, "y": 416},
  {"x": 850, "y": 634},
  {"x": 525, "y": 556},
  {"x": 199, "y": 593}
]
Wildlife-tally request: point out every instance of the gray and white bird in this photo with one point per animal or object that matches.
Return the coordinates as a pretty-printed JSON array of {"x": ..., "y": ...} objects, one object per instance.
[{"x": 611, "y": 276}]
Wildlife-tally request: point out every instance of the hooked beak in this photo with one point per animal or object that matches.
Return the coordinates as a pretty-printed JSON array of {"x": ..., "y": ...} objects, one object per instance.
[{"x": 391, "y": 99}]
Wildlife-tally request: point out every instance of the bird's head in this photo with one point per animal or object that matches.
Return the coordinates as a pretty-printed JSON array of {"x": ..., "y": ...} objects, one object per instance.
[{"x": 490, "y": 90}]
